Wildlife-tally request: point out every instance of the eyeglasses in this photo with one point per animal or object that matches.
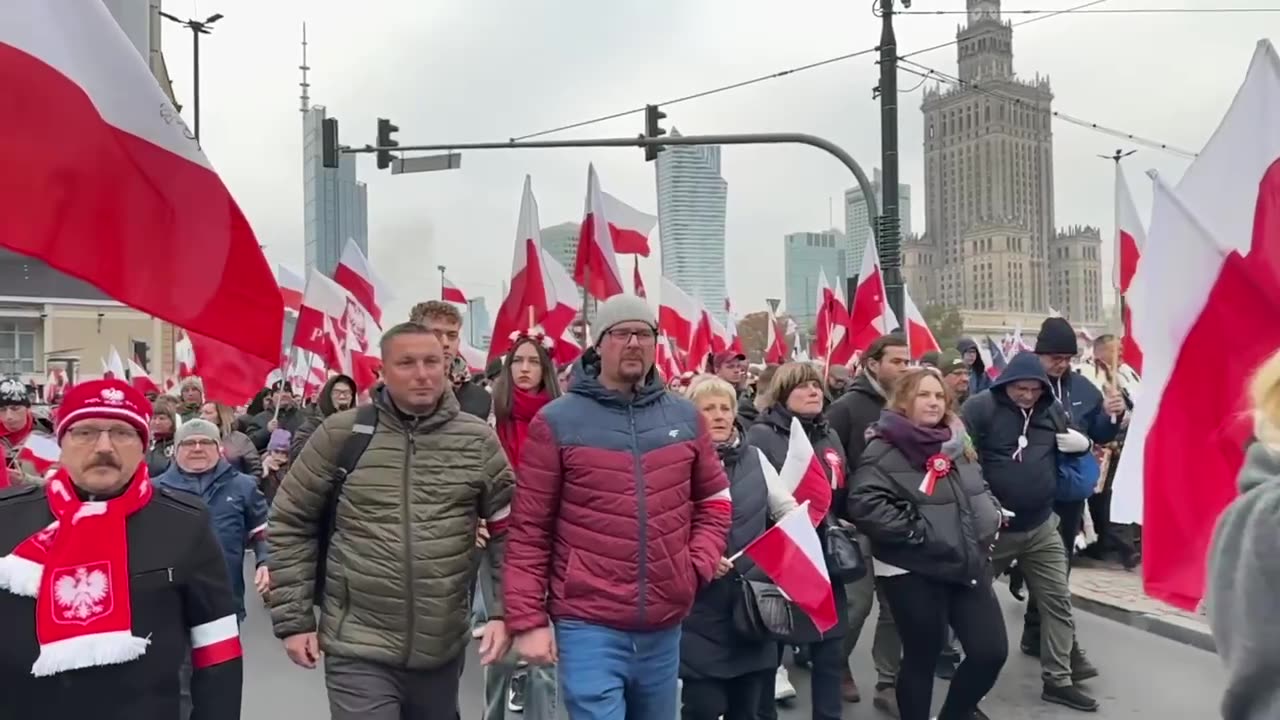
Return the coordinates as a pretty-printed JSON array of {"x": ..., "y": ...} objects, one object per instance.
[
  {"x": 198, "y": 443},
  {"x": 89, "y": 434},
  {"x": 623, "y": 335}
]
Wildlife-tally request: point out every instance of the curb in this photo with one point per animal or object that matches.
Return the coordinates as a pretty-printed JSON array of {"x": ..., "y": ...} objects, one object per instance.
[{"x": 1181, "y": 632}]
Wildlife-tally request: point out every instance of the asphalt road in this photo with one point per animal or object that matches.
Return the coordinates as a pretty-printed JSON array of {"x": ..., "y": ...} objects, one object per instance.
[{"x": 1143, "y": 676}]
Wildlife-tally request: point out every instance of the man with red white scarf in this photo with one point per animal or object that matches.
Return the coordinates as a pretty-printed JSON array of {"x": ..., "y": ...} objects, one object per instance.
[{"x": 106, "y": 581}]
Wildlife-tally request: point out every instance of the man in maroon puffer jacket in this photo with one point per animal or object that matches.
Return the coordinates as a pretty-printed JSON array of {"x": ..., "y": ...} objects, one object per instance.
[{"x": 620, "y": 515}]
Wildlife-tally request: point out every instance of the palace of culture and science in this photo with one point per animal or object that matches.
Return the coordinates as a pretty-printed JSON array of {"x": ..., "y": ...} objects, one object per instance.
[{"x": 991, "y": 246}]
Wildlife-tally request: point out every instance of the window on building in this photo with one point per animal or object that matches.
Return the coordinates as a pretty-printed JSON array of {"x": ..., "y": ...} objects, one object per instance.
[{"x": 17, "y": 348}]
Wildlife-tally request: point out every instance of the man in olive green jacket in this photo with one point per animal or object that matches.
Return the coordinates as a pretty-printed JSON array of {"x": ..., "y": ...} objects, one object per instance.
[{"x": 402, "y": 561}]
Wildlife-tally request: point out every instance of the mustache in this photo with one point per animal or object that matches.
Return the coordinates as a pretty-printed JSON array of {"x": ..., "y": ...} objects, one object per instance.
[{"x": 104, "y": 460}]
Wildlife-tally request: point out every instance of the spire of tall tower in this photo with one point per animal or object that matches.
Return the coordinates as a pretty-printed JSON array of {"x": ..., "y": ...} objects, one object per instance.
[{"x": 304, "y": 67}]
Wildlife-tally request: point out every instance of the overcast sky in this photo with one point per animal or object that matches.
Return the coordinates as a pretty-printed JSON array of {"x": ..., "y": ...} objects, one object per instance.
[{"x": 483, "y": 70}]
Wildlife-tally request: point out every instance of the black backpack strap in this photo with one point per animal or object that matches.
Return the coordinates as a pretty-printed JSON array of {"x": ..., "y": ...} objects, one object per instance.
[{"x": 348, "y": 457}]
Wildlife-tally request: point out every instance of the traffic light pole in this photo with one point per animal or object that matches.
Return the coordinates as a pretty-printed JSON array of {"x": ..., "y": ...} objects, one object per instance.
[
  {"x": 645, "y": 142},
  {"x": 889, "y": 237}
]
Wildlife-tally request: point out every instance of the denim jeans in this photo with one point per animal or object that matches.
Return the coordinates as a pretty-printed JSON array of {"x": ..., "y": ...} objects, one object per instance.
[{"x": 609, "y": 674}]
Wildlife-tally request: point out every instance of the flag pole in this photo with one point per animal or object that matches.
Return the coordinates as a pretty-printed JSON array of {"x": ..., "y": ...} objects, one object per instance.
[{"x": 586, "y": 297}]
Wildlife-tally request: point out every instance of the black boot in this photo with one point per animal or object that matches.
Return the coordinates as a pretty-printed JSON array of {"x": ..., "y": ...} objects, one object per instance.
[
  {"x": 1070, "y": 696},
  {"x": 1030, "y": 644},
  {"x": 1081, "y": 668}
]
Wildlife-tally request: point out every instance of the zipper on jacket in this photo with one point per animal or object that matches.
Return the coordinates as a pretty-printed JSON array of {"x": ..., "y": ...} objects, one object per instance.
[
  {"x": 411, "y": 616},
  {"x": 966, "y": 517},
  {"x": 642, "y": 515}
]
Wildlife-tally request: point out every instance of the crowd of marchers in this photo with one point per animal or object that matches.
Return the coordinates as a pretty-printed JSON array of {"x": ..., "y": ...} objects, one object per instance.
[{"x": 580, "y": 527}]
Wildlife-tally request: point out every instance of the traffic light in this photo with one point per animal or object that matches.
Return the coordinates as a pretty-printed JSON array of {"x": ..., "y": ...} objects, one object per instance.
[
  {"x": 385, "y": 131},
  {"x": 329, "y": 143},
  {"x": 652, "y": 115}
]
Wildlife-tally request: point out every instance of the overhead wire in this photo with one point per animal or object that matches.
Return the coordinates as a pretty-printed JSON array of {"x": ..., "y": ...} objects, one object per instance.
[
  {"x": 772, "y": 76},
  {"x": 1107, "y": 11},
  {"x": 926, "y": 72}
]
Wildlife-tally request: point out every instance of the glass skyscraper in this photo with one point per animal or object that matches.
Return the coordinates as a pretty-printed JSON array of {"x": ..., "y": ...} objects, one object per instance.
[
  {"x": 857, "y": 227},
  {"x": 804, "y": 255},
  {"x": 691, "y": 214},
  {"x": 335, "y": 203}
]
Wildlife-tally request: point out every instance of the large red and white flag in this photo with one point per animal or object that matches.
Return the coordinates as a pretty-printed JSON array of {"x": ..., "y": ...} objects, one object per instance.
[
  {"x": 596, "y": 266},
  {"x": 291, "y": 288},
  {"x": 637, "y": 282},
  {"x": 920, "y": 338},
  {"x": 869, "y": 312},
  {"x": 628, "y": 226},
  {"x": 105, "y": 182},
  {"x": 832, "y": 315},
  {"x": 113, "y": 366},
  {"x": 1216, "y": 239},
  {"x": 665, "y": 359},
  {"x": 803, "y": 475},
  {"x": 41, "y": 451},
  {"x": 678, "y": 313},
  {"x": 731, "y": 327},
  {"x": 709, "y": 337},
  {"x": 451, "y": 293},
  {"x": 1130, "y": 239},
  {"x": 541, "y": 293},
  {"x": 335, "y": 325},
  {"x": 791, "y": 555},
  {"x": 230, "y": 375},
  {"x": 354, "y": 273},
  {"x": 140, "y": 379},
  {"x": 775, "y": 348},
  {"x": 474, "y": 357}
]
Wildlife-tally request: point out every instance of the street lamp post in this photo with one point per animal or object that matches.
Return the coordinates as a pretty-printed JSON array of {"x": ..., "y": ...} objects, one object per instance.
[
  {"x": 197, "y": 28},
  {"x": 471, "y": 321},
  {"x": 441, "y": 269}
]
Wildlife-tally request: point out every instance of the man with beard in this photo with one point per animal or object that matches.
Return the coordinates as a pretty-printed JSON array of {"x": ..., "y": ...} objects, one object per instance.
[
  {"x": 886, "y": 360},
  {"x": 445, "y": 321},
  {"x": 107, "y": 583},
  {"x": 284, "y": 415},
  {"x": 338, "y": 394},
  {"x": 621, "y": 514}
]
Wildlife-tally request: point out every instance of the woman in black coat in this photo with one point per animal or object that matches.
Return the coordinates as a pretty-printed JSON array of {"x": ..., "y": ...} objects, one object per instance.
[
  {"x": 724, "y": 673},
  {"x": 919, "y": 494},
  {"x": 797, "y": 392}
]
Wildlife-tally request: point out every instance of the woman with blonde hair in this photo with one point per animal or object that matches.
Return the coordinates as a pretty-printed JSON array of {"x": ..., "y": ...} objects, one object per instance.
[
  {"x": 725, "y": 673},
  {"x": 237, "y": 448},
  {"x": 164, "y": 422},
  {"x": 1244, "y": 566},
  {"x": 919, "y": 495}
]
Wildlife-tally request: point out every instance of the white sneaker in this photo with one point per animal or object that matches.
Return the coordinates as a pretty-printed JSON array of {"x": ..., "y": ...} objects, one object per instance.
[{"x": 782, "y": 687}]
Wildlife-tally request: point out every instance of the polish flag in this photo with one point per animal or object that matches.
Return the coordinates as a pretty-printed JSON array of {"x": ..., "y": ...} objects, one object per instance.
[
  {"x": 919, "y": 337},
  {"x": 596, "y": 267},
  {"x": 994, "y": 359},
  {"x": 833, "y": 315},
  {"x": 452, "y": 293},
  {"x": 291, "y": 288},
  {"x": 106, "y": 183},
  {"x": 775, "y": 349},
  {"x": 230, "y": 374},
  {"x": 140, "y": 379},
  {"x": 475, "y": 358},
  {"x": 709, "y": 337},
  {"x": 636, "y": 281},
  {"x": 541, "y": 292},
  {"x": 628, "y": 226},
  {"x": 869, "y": 313},
  {"x": 666, "y": 360},
  {"x": 334, "y": 324},
  {"x": 678, "y": 314},
  {"x": 791, "y": 555},
  {"x": 804, "y": 476},
  {"x": 798, "y": 353},
  {"x": 184, "y": 354},
  {"x": 41, "y": 451},
  {"x": 731, "y": 327},
  {"x": 1218, "y": 240},
  {"x": 317, "y": 376},
  {"x": 113, "y": 366},
  {"x": 55, "y": 385},
  {"x": 1130, "y": 239},
  {"x": 354, "y": 274},
  {"x": 216, "y": 642}
]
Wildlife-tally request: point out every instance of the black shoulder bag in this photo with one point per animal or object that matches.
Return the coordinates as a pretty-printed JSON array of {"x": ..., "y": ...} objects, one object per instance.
[
  {"x": 761, "y": 611},
  {"x": 357, "y": 442}
]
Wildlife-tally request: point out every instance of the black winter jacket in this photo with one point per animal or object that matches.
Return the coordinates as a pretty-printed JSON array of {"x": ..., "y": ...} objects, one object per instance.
[
  {"x": 1026, "y": 486},
  {"x": 772, "y": 434},
  {"x": 474, "y": 399},
  {"x": 853, "y": 413},
  {"x": 290, "y": 418},
  {"x": 709, "y": 646},
  {"x": 978, "y": 378},
  {"x": 945, "y": 536},
  {"x": 315, "y": 415},
  {"x": 177, "y": 580}
]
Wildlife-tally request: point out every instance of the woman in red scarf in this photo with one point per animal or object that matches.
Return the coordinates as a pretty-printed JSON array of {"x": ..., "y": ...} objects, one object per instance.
[{"x": 526, "y": 383}]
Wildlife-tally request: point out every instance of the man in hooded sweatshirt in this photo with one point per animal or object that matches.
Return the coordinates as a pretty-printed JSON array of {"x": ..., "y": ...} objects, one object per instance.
[
  {"x": 978, "y": 379},
  {"x": 338, "y": 394},
  {"x": 1018, "y": 430}
]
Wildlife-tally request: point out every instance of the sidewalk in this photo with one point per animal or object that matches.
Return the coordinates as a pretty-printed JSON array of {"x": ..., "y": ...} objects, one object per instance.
[{"x": 1108, "y": 590}]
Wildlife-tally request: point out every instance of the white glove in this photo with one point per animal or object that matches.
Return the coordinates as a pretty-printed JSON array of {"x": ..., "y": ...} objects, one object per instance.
[{"x": 1073, "y": 442}]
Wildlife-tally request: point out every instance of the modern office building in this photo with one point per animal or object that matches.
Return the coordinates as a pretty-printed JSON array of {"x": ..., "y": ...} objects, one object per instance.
[
  {"x": 805, "y": 255},
  {"x": 691, "y": 218},
  {"x": 335, "y": 203},
  {"x": 561, "y": 242},
  {"x": 857, "y": 226},
  {"x": 477, "y": 327}
]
